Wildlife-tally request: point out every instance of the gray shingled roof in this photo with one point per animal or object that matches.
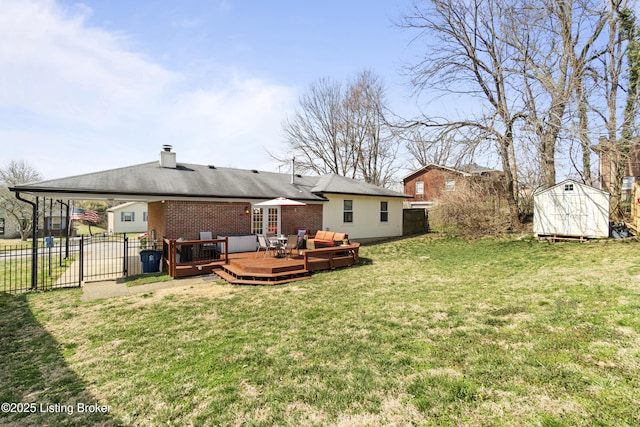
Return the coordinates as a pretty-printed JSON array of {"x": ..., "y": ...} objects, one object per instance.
[
  {"x": 332, "y": 183},
  {"x": 150, "y": 180}
]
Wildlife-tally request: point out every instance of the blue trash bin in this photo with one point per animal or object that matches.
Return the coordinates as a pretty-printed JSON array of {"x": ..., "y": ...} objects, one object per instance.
[{"x": 150, "y": 260}]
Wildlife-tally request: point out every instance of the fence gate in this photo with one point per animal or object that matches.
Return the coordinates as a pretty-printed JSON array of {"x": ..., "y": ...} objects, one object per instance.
[
  {"x": 415, "y": 221},
  {"x": 67, "y": 263},
  {"x": 109, "y": 257}
]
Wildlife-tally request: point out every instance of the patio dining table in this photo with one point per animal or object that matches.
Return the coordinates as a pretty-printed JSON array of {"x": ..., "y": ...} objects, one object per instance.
[{"x": 282, "y": 241}]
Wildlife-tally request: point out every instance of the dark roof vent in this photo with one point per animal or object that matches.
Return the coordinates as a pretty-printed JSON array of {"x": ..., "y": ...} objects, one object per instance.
[
  {"x": 254, "y": 170},
  {"x": 212, "y": 167}
]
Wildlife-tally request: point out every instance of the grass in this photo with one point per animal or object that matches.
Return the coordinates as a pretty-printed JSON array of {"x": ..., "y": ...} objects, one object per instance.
[
  {"x": 427, "y": 331},
  {"x": 146, "y": 278},
  {"x": 15, "y": 273}
]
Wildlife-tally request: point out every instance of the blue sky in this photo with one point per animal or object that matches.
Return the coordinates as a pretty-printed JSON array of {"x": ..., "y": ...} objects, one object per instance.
[{"x": 95, "y": 85}]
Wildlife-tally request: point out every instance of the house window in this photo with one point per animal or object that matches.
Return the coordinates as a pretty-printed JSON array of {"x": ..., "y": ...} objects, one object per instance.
[
  {"x": 450, "y": 184},
  {"x": 568, "y": 187},
  {"x": 384, "y": 211},
  {"x": 419, "y": 187},
  {"x": 144, "y": 217},
  {"x": 127, "y": 216},
  {"x": 347, "y": 211},
  {"x": 55, "y": 223},
  {"x": 1, "y": 226},
  {"x": 627, "y": 182}
]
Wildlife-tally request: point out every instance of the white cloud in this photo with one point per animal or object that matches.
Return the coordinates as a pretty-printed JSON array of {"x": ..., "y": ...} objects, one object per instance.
[
  {"x": 87, "y": 88},
  {"x": 55, "y": 66}
]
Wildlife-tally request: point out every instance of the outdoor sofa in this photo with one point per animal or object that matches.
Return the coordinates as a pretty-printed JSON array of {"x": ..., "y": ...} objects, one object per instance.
[{"x": 324, "y": 239}]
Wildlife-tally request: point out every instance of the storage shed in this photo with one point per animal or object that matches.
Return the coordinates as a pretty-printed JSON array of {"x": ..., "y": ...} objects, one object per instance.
[{"x": 571, "y": 209}]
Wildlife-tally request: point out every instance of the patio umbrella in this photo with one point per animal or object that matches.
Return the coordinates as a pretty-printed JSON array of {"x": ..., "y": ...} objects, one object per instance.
[{"x": 280, "y": 201}]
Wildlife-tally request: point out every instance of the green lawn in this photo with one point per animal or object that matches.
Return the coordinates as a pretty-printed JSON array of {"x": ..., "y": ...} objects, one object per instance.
[{"x": 426, "y": 331}]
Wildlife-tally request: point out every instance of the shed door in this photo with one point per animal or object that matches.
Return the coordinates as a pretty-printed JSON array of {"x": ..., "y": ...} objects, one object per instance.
[
  {"x": 577, "y": 212},
  {"x": 570, "y": 211}
]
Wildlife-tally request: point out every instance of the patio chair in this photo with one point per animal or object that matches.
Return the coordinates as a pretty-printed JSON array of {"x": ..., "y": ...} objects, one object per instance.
[
  {"x": 292, "y": 243},
  {"x": 266, "y": 245},
  {"x": 301, "y": 241}
]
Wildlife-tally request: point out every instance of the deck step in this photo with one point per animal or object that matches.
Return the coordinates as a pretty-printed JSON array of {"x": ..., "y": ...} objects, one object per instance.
[
  {"x": 255, "y": 281},
  {"x": 263, "y": 275},
  {"x": 271, "y": 267}
]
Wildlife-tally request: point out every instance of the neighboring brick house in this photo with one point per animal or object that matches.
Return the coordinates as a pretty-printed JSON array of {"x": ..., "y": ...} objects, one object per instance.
[
  {"x": 186, "y": 199},
  {"x": 631, "y": 172},
  {"x": 430, "y": 183}
]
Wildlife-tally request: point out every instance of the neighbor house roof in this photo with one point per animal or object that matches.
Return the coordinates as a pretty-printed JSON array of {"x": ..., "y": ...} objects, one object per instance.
[
  {"x": 464, "y": 170},
  {"x": 124, "y": 206},
  {"x": 150, "y": 181}
]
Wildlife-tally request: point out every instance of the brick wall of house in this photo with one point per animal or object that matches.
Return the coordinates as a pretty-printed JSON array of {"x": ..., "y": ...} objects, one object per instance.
[
  {"x": 187, "y": 219},
  {"x": 434, "y": 182},
  {"x": 309, "y": 216},
  {"x": 175, "y": 219}
]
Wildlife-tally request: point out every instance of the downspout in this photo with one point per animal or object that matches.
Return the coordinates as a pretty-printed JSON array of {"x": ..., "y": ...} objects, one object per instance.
[{"x": 34, "y": 241}]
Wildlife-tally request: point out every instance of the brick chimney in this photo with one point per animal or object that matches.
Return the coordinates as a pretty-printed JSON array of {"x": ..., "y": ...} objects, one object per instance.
[{"x": 167, "y": 158}]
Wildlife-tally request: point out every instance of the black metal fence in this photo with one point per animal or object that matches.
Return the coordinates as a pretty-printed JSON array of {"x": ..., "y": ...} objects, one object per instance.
[{"x": 66, "y": 263}]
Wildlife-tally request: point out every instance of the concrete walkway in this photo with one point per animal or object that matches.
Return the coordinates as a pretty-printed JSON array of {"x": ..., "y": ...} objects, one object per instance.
[{"x": 114, "y": 288}]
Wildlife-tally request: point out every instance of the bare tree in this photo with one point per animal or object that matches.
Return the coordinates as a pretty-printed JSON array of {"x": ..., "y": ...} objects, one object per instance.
[
  {"x": 425, "y": 148},
  {"x": 376, "y": 144},
  {"x": 17, "y": 172},
  {"x": 313, "y": 134},
  {"x": 343, "y": 130},
  {"x": 615, "y": 105},
  {"x": 555, "y": 44},
  {"x": 556, "y": 66},
  {"x": 466, "y": 53}
]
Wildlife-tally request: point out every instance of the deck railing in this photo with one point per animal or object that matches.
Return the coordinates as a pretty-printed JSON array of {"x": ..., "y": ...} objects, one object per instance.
[
  {"x": 179, "y": 256},
  {"x": 336, "y": 256}
]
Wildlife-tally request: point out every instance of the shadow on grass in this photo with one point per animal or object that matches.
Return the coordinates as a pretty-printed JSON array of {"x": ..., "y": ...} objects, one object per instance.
[
  {"x": 35, "y": 381},
  {"x": 364, "y": 261}
]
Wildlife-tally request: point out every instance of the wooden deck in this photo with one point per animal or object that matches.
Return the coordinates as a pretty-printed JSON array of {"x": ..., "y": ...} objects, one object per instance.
[{"x": 249, "y": 268}]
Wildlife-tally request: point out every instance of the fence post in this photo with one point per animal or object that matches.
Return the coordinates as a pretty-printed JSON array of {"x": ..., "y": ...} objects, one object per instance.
[
  {"x": 34, "y": 241},
  {"x": 125, "y": 258},
  {"x": 81, "y": 256}
]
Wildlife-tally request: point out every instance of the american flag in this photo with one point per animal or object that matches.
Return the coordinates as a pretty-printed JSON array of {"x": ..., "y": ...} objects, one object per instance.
[{"x": 85, "y": 215}]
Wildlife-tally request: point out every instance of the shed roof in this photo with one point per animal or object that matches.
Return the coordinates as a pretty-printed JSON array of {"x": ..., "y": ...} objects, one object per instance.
[{"x": 567, "y": 181}]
